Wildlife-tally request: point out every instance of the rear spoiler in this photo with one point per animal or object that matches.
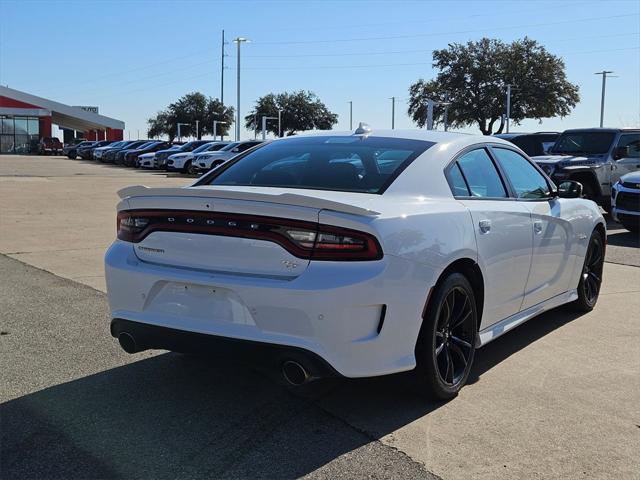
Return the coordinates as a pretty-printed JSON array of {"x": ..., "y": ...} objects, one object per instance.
[{"x": 282, "y": 198}]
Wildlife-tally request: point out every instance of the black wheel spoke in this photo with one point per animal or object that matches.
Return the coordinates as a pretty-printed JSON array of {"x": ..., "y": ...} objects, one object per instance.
[
  {"x": 461, "y": 319},
  {"x": 454, "y": 330},
  {"x": 455, "y": 348},
  {"x": 460, "y": 341},
  {"x": 450, "y": 367}
]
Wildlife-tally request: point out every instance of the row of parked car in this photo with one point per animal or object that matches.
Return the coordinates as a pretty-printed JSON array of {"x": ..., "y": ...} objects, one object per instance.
[
  {"x": 194, "y": 157},
  {"x": 605, "y": 161}
]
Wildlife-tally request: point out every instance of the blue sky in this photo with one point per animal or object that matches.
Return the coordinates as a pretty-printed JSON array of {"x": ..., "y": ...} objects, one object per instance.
[{"x": 133, "y": 58}]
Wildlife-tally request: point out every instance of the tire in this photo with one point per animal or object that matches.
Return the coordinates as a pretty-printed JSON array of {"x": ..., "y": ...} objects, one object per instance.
[
  {"x": 591, "y": 276},
  {"x": 446, "y": 343},
  {"x": 186, "y": 167}
]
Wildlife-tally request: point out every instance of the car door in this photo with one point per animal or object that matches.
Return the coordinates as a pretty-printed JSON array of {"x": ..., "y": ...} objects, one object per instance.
[
  {"x": 630, "y": 161},
  {"x": 552, "y": 261},
  {"x": 503, "y": 232}
]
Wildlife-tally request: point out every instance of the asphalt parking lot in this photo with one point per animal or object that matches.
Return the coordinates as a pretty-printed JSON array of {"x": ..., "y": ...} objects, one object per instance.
[{"x": 558, "y": 397}]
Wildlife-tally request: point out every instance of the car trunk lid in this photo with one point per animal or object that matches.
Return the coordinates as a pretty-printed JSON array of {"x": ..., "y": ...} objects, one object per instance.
[{"x": 227, "y": 230}]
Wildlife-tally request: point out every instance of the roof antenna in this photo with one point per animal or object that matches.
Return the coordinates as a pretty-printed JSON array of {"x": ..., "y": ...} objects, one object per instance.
[{"x": 363, "y": 129}]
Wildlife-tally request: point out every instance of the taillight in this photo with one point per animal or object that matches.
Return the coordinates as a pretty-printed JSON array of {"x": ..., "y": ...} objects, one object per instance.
[{"x": 303, "y": 239}]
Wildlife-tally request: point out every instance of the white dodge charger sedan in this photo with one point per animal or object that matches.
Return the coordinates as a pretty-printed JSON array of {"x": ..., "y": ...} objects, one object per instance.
[{"x": 354, "y": 254}]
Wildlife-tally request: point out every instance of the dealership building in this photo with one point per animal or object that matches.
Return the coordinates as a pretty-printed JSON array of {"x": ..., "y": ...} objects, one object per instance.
[{"x": 26, "y": 118}]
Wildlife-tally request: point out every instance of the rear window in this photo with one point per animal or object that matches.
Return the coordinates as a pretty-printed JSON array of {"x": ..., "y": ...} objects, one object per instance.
[{"x": 349, "y": 164}]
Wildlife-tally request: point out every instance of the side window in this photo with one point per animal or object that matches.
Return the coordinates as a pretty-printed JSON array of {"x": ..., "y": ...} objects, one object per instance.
[
  {"x": 246, "y": 146},
  {"x": 481, "y": 174},
  {"x": 633, "y": 142},
  {"x": 527, "y": 181},
  {"x": 456, "y": 182}
]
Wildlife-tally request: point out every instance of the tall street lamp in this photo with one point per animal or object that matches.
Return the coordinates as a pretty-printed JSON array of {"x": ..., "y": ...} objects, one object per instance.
[
  {"x": 350, "y": 114},
  {"x": 179, "y": 135},
  {"x": 264, "y": 126},
  {"x": 605, "y": 74},
  {"x": 238, "y": 41},
  {"x": 215, "y": 129}
]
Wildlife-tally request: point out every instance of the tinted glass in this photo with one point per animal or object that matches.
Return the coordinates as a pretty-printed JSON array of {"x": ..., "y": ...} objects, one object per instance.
[
  {"x": 231, "y": 146},
  {"x": 202, "y": 148},
  {"x": 528, "y": 144},
  {"x": 527, "y": 181},
  {"x": 215, "y": 147},
  {"x": 34, "y": 126},
  {"x": 481, "y": 174},
  {"x": 584, "y": 143},
  {"x": 350, "y": 164},
  {"x": 7, "y": 126},
  {"x": 246, "y": 146},
  {"x": 633, "y": 142},
  {"x": 456, "y": 182}
]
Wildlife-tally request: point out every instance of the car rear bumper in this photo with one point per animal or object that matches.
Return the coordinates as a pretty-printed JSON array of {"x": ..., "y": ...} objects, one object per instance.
[
  {"x": 362, "y": 318},
  {"x": 150, "y": 336}
]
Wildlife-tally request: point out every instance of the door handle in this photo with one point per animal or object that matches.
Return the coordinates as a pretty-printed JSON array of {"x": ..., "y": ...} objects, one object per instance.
[
  {"x": 485, "y": 226},
  {"x": 537, "y": 227}
]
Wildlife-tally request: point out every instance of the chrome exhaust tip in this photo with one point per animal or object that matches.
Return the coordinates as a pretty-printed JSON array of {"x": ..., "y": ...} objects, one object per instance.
[
  {"x": 294, "y": 373},
  {"x": 128, "y": 343}
]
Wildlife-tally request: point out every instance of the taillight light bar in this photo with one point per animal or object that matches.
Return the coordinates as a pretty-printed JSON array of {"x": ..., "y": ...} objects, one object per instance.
[{"x": 302, "y": 239}]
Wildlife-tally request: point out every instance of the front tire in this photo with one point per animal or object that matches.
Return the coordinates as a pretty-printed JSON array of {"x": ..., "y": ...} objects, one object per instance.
[
  {"x": 187, "y": 167},
  {"x": 591, "y": 276},
  {"x": 446, "y": 344}
]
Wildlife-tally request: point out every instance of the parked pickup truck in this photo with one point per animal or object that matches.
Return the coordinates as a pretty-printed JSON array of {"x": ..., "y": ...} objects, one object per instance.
[
  {"x": 595, "y": 157},
  {"x": 50, "y": 146}
]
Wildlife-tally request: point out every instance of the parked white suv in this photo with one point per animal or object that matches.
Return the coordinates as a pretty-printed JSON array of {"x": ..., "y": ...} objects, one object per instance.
[
  {"x": 182, "y": 162},
  {"x": 208, "y": 161},
  {"x": 625, "y": 201}
]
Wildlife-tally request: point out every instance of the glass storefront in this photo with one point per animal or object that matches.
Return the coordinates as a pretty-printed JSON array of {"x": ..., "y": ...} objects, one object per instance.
[{"x": 19, "y": 134}]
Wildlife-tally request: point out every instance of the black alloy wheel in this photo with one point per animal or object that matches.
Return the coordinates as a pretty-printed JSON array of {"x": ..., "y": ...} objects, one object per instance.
[
  {"x": 591, "y": 276},
  {"x": 446, "y": 345}
]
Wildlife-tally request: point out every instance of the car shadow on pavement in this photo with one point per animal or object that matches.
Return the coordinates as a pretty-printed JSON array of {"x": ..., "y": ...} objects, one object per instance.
[
  {"x": 173, "y": 415},
  {"x": 624, "y": 239}
]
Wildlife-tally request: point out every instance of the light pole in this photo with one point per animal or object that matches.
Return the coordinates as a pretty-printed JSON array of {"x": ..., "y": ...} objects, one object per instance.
[
  {"x": 215, "y": 128},
  {"x": 222, "y": 55},
  {"x": 238, "y": 41},
  {"x": 430, "y": 105},
  {"x": 604, "y": 74},
  {"x": 393, "y": 113},
  {"x": 446, "y": 111},
  {"x": 508, "y": 112},
  {"x": 350, "y": 115},
  {"x": 279, "y": 122},
  {"x": 264, "y": 126},
  {"x": 197, "y": 129},
  {"x": 179, "y": 135}
]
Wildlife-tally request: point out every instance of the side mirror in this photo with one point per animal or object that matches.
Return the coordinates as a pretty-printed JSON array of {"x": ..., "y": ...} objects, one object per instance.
[
  {"x": 570, "y": 189},
  {"x": 235, "y": 150},
  {"x": 621, "y": 152}
]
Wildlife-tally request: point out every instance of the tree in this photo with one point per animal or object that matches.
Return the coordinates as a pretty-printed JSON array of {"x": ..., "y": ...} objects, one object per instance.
[
  {"x": 300, "y": 111},
  {"x": 473, "y": 78},
  {"x": 187, "y": 109}
]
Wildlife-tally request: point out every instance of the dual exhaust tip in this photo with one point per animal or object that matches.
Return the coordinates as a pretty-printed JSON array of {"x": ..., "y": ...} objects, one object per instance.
[{"x": 293, "y": 372}]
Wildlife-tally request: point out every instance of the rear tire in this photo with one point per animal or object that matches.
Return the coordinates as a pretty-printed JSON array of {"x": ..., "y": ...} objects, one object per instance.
[
  {"x": 591, "y": 275},
  {"x": 187, "y": 167},
  {"x": 446, "y": 343}
]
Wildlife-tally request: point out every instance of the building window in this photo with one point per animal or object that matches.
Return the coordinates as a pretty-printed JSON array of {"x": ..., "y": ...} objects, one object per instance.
[{"x": 19, "y": 134}]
